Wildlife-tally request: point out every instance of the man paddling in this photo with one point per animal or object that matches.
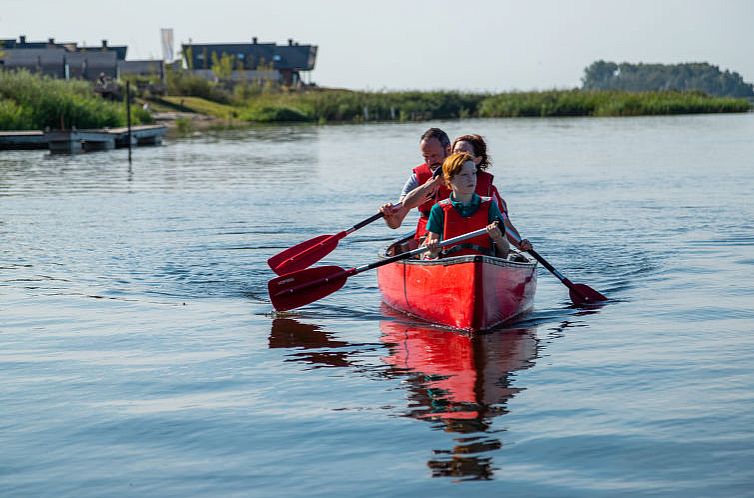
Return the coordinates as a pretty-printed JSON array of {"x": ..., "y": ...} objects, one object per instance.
[{"x": 434, "y": 146}]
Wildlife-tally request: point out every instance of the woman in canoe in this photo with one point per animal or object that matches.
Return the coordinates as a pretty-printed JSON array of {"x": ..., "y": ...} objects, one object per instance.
[
  {"x": 475, "y": 146},
  {"x": 465, "y": 211}
]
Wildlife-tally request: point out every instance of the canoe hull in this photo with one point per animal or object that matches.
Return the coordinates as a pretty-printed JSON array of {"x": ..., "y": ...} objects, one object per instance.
[{"x": 466, "y": 293}]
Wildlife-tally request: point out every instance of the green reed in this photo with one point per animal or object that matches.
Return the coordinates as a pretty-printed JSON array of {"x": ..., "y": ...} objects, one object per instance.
[
  {"x": 606, "y": 103},
  {"x": 343, "y": 105},
  {"x": 29, "y": 102}
]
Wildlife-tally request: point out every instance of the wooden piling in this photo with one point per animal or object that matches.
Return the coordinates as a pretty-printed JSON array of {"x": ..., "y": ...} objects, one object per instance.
[{"x": 128, "y": 117}]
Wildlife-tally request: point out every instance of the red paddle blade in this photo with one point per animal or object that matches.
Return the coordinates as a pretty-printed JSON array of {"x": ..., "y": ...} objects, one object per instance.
[
  {"x": 583, "y": 294},
  {"x": 305, "y": 286},
  {"x": 305, "y": 254}
]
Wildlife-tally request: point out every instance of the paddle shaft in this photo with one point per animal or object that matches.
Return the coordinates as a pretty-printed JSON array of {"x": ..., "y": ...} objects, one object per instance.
[
  {"x": 542, "y": 260},
  {"x": 307, "y": 253},
  {"x": 552, "y": 269},
  {"x": 344, "y": 274},
  {"x": 585, "y": 294},
  {"x": 419, "y": 250},
  {"x": 364, "y": 223},
  {"x": 335, "y": 238}
]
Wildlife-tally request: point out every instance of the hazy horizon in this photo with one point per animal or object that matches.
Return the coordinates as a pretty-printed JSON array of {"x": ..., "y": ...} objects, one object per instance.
[{"x": 485, "y": 46}]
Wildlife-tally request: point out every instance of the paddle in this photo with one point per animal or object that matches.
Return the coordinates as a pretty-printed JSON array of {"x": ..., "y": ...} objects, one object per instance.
[
  {"x": 306, "y": 253},
  {"x": 306, "y": 286},
  {"x": 580, "y": 293}
]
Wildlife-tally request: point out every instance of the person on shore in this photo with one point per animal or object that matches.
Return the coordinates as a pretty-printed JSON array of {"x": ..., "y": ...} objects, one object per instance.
[{"x": 465, "y": 211}]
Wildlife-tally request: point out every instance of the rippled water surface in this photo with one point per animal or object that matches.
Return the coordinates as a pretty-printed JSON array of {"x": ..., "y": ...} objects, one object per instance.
[{"x": 140, "y": 355}]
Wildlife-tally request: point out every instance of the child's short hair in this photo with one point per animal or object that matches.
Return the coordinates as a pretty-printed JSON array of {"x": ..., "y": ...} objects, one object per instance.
[{"x": 453, "y": 165}]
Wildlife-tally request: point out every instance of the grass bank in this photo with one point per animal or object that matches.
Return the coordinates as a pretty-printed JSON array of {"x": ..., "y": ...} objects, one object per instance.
[
  {"x": 31, "y": 102},
  {"x": 324, "y": 106}
]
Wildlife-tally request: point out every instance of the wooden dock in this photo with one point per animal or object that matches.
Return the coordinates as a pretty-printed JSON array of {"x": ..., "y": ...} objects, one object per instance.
[
  {"x": 22, "y": 140},
  {"x": 76, "y": 141}
]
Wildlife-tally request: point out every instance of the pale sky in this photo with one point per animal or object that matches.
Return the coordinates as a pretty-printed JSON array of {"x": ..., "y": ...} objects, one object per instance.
[{"x": 424, "y": 45}]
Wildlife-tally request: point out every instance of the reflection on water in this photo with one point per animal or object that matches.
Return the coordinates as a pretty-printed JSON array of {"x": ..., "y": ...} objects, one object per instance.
[
  {"x": 290, "y": 333},
  {"x": 460, "y": 383}
]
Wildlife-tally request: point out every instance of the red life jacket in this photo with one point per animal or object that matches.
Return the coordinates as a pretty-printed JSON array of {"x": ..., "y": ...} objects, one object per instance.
[
  {"x": 484, "y": 188},
  {"x": 424, "y": 173},
  {"x": 456, "y": 225}
]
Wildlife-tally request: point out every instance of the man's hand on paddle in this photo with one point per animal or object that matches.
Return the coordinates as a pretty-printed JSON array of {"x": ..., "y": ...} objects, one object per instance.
[
  {"x": 394, "y": 214},
  {"x": 422, "y": 193}
]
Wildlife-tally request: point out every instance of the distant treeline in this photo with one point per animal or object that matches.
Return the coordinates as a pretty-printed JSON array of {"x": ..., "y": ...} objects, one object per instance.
[{"x": 696, "y": 76}]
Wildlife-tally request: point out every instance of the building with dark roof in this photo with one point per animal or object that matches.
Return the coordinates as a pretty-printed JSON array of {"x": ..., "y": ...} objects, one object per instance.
[
  {"x": 69, "y": 60},
  {"x": 21, "y": 43},
  {"x": 253, "y": 61}
]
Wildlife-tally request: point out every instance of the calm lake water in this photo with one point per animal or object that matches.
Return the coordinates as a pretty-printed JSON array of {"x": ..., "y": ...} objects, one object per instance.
[{"x": 140, "y": 355}]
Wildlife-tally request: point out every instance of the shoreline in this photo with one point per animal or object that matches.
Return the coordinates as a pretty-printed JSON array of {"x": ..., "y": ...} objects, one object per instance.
[
  {"x": 343, "y": 106},
  {"x": 183, "y": 124},
  {"x": 57, "y": 105}
]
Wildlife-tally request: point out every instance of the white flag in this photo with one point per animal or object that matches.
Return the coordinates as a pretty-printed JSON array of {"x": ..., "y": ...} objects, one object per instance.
[{"x": 167, "y": 44}]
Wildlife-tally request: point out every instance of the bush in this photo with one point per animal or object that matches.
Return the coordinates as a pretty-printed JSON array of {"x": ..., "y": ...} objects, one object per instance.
[
  {"x": 36, "y": 102},
  {"x": 269, "y": 114},
  {"x": 14, "y": 117},
  {"x": 186, "y": 84}
]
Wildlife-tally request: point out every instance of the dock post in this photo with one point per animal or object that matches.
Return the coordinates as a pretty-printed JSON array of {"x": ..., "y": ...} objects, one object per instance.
[{"x": 128, "y": 117}]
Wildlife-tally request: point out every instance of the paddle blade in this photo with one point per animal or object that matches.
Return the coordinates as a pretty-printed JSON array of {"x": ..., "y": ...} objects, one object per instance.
[
  {"x": 305, "y": 286},
  {"x": 305, "y": 254},
  {"x": 583, "y": 294}
]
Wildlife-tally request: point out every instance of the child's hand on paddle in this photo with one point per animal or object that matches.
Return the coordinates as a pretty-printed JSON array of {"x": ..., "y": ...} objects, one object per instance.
[
  {"x": 431, "y": 241},
  {"x": 495, "y": 233}
]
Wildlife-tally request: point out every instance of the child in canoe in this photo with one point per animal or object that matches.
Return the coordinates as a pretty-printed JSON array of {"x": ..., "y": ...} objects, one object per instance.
[{"x": 465, "y": 211}]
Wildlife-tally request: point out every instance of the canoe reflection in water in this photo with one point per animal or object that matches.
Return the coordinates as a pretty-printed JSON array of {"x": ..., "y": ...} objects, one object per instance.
[
  {"x": 455, "y": 381},
  {"x": 319, "y": 348},
  {"x": 460, "y": 383}
]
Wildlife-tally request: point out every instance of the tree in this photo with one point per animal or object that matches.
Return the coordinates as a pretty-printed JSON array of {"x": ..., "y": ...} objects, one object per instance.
[
  {"x": 694, "y": 76},
  {"x": 599, "y": 75},
  {"x": 222, "y": 66}
]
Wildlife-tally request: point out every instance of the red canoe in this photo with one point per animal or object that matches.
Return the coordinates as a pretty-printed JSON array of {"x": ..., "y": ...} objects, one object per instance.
[{"x": 463, "y": 292}]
